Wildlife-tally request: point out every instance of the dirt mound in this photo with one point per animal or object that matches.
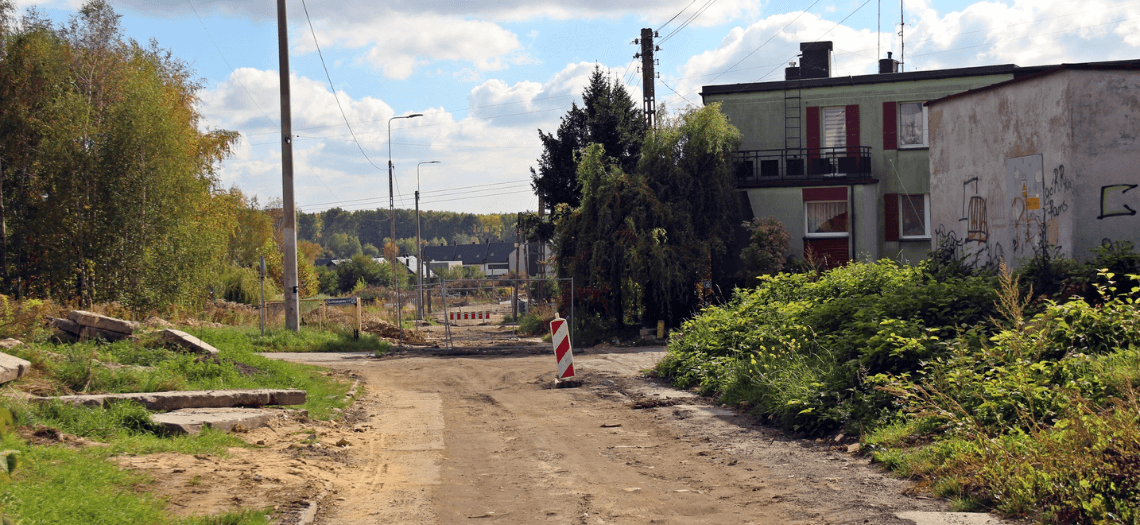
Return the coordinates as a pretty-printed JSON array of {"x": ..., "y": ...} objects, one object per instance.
[{"x": 388, "y": 330}]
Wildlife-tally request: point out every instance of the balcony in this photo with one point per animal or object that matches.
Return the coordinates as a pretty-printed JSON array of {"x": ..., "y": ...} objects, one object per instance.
[{"x": 803, "y": 167}]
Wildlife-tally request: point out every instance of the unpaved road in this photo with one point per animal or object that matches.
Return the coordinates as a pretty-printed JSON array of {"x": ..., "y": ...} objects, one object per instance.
[
  {"x": 468, "y": 439},
  {"x": 445, "y": 437}
]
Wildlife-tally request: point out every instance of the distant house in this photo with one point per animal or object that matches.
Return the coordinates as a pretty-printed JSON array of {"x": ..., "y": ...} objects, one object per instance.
[
  {"x": 493, "y": 259},
  {"x": 1047, "y": 157}
]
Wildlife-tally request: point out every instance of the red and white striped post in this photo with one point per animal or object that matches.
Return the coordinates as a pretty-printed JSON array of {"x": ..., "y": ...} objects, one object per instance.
[{"x": 560, "y": 336}]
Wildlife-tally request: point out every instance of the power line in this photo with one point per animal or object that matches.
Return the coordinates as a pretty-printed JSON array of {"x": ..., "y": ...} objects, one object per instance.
[
  {"x": 688, "y": 21},
  {"x": 333, "y": 87},
  {"x": 370, "y": 199},
  {"x": 676, "y": 15},
  {"x": 234, "y": 72},
  {"x": 774, "y": 35}
]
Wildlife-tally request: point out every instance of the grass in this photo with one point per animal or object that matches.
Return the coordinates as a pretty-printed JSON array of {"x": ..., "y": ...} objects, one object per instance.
[{"x": 61, "y": 485}]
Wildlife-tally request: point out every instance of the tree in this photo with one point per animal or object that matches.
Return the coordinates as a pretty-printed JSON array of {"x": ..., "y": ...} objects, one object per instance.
[
  {"x": 648, "y": 242},
  {"x": 113, "y": 187},
  {"x": 608, "y": 117},
  {"x": 768, "y": 242}
]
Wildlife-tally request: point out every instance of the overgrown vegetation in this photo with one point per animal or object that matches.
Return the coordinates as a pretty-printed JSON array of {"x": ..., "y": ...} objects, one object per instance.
[
  {"x": 1004, "y": 398},
  {"x": 78, "y": 486}
]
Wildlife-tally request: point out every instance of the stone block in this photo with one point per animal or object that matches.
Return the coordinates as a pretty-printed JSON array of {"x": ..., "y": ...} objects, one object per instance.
[
  {"x": 90, "y": 332},
  {"x": 65, "y": 325},
  {"x": 189, "y": 342},
  {"x": 10, "y": 343},
  {"x": 287, "y": 397},
  {"x": 164, "y": 401},
  {"x": 102, "y": 322},
  {"x": 12, "y": 368},
  {"x": 191, "y": 421}
]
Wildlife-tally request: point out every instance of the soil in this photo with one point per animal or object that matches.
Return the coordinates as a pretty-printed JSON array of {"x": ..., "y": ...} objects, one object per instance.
[{"x": 455, "y": 435}]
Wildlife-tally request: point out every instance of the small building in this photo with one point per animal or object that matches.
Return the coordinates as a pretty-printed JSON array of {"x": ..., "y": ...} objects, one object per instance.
[
  {"x": 843, "y": 162},
  {"x": 1042, "y": 158}
]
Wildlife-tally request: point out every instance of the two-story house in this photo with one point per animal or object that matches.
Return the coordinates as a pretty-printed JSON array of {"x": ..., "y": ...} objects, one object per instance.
[{"x": 843, "y": 162}]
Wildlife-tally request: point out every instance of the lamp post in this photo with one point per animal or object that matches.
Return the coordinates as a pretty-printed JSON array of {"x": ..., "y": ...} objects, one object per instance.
[
  {"x": 392, "y": 220},
  {"x": 419, "y": 249}
]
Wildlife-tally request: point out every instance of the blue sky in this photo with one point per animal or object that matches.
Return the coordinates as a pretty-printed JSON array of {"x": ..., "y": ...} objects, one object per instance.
[{"x": 488, "y": 74}]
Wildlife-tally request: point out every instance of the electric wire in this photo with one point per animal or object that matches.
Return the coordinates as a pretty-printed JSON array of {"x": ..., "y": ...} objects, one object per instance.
[
  {"x": 676, "y": 15},
  {"x": 688, "y": 21},
  {"x": 774, "y": 35},
  {"x": 333, "y": 87},
  {"x": 232, "y": 70},
  {"x": 475, "y": 187}
]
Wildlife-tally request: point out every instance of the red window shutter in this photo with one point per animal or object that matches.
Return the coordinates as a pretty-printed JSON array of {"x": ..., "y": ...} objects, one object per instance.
[
  {"x": 812, "y": 131},
  {"x": 824, "y": 194},
  {"x": 891, "y": 209},
  {"x": 890, "y": 125},
  {"x": 851, "y": 115}
]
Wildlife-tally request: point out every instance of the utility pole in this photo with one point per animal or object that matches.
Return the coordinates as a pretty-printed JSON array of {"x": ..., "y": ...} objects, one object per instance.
[
  {"x": 649, "y": 100},
  {"x": 292, "y": 303}
]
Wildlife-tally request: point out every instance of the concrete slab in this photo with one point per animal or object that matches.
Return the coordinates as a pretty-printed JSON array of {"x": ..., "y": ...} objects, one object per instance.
[
  {"x": 950, "y": 518},
  {"x": 90, "y": 332},
  {"x": 10, "y": 343},
  {"x": 189, "y": 342},
  {"x": 65, "y": 325},
  {"x": 12, "y": 368},
  {"x": 163, "y": 401},
  {"x": 192, "y": 420},
  {"x": 103, "y": 322}
]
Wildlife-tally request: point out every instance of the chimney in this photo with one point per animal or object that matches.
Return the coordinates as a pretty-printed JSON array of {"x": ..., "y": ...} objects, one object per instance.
[
  {"x": 815, "y": 61},
  {"x": 888, "y": 65}
]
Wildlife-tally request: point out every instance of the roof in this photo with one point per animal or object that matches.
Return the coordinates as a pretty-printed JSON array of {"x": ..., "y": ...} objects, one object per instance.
[
  {"x": 882, "y": 78},
  {"x": 439, "y": 253},
  {"x": 1119, "y": 65},
  {"x": 470, "y": 254},
  {"x": 498, "y": 252}
]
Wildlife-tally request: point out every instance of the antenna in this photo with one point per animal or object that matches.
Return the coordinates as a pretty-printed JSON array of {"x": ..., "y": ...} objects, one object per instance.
[{"x": 902, "y": 39}]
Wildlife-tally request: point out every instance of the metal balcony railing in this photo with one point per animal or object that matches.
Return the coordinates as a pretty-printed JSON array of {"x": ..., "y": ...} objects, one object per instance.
[{"x": 784, "y": 166}]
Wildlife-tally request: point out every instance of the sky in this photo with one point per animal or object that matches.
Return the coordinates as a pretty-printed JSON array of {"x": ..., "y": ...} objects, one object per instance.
[{"x": 487, "y": 75}]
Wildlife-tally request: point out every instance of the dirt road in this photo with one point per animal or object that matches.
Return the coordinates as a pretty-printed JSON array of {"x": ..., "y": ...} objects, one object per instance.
[
  {"x": 446, "y": 439},
  {"x": 440, "y": 438}
]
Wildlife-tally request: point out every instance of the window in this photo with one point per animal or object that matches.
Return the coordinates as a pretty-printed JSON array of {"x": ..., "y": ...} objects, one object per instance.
[
  {"x": 826, "y": 218},
  {"x": 912, "y": 125},
  {"x": 834, "y": 128},
  {"x": 914, "y": 215},
  {"x": 498, "y": 266}
]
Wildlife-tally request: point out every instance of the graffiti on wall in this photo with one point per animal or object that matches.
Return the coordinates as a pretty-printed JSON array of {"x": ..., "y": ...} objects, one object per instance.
[
  {"x": 1113, "y": 201},
  {"x": 1037, "y": 202},
  {"x": 974, "y": 213},
  {"x": 978, "y": 253}
]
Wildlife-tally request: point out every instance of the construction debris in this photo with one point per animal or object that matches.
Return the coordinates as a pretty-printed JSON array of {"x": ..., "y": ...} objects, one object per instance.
[
  {"x": 12, "y": 368},
  {"x": 162, "y": 401},
  {"x": 82, "y": 325},
  {"x": 189, "y": 342}
]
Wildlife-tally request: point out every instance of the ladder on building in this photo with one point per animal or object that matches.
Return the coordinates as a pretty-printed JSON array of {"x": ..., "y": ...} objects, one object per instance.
[{"x": 793, "y": 127}]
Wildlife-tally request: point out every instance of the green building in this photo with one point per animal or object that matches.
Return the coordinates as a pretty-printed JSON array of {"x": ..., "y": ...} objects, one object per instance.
[{"x": 844, "y": 162}]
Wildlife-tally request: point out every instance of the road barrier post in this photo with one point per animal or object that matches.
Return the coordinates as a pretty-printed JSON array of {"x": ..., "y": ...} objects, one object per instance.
[{"x": 560, "y": 336}]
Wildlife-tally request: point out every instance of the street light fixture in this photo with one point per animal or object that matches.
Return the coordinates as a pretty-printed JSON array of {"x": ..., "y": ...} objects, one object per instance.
[
  {"x": 419, "y": 249},
  {"x": 392, "y": 220}
]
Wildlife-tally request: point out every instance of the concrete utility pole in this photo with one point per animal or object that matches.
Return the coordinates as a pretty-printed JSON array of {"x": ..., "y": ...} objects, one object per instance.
[
  {"x": 292, "y": 301},
  {"x": 649, "y": 100},
  {"x": 392, "y": 221}
]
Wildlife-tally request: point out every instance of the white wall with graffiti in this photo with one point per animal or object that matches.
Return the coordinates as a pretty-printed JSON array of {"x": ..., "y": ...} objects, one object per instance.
[{"x": 1048, "y": 160}]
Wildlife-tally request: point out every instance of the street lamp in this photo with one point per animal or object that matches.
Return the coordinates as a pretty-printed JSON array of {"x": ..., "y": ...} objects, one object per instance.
[
  {"x": 419, "y": 250},
  {"x": 392, "y": 219}
]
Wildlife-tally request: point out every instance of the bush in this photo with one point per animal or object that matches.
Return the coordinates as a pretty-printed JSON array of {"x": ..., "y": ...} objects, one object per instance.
[{"x": 800, "y": 350}]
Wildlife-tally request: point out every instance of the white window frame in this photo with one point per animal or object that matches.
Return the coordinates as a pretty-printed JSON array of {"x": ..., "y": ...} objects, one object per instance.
[
  {"x": 925, "y": 127},
  {"x": 830, "y": 235},
  {"x": 902, "y": 199},
  {"x": 841, "y": 139}
]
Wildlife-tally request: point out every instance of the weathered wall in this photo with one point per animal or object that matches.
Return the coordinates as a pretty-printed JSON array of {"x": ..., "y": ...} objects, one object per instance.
[
  {"x": 760, "y": 118},
  {"x": 1050, "y": 158},
  {"x": 1106, "y": 123}
]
